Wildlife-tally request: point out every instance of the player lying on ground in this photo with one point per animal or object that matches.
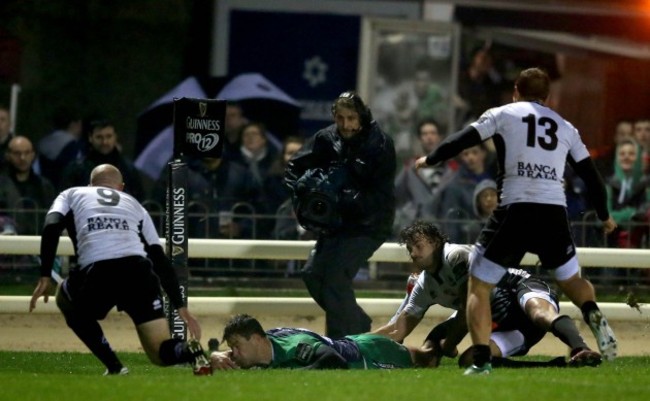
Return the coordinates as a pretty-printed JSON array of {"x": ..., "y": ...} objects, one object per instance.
[
  {"x": 524, "y": 308},
  {"x": 121, "y": 263},
  {"x": 252, "y": 347}
]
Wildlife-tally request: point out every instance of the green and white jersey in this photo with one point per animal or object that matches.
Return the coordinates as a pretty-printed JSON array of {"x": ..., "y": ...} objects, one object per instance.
[{"x": 296, "y": 348}]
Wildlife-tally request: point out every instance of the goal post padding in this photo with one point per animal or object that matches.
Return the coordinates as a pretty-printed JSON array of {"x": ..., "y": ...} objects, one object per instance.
[{"x": 198, "y": 134}]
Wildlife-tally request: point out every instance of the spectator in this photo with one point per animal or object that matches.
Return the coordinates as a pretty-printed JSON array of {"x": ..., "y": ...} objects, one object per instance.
[
  {"x": 257, "y": 155},
  {"x": 215, "y": 187},
  {"x": 626, "y": 190},
  {"x": 61, "y": 147},
  {"x": 5, "y": 134},
  {"x": 604, "y": 159},
  {"x": 430, "y": 98},
  {"x": 255, "y": 152},
  {"x": 36, "y": 192},
  {"x": 642, "y": 136},
  {"x": 285, "y": 225},
  {"x": 412, "y": 101},
  {"x": 104, "y": 149},
  {"x": 457, "y": 203},
  {"x": 400, "y": 122},
  {"x": 479, "y": 85},
  {"x": 485, "y": 200},
  {"x": 9, "y": 197},
  {"x": 235, "y": 121},
  {"x": 418, "y": 192},
  {"x": 624, "y": 130}
]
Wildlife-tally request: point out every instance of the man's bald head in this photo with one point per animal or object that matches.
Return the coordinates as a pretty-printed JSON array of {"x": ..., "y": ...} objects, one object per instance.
[
  {"x": 106, "y": 175},
  {"x": 20, "y": 154}
]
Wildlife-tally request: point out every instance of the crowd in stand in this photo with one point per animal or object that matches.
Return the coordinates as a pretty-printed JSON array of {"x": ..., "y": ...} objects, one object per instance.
[{"x": 242, "y": 195}]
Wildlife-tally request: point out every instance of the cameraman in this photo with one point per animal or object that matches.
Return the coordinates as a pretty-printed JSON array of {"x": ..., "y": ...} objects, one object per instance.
[{"x": 351, "y": 221}]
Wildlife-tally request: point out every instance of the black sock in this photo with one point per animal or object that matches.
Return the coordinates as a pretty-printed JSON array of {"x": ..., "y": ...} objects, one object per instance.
[
  {"x": 174, "y": 352},
  {"x": 564, "y": 329},
  {"x": 482, "y": 354},
  {"x": 90, "y": 332},
  {"x": 587, "y": 308}
]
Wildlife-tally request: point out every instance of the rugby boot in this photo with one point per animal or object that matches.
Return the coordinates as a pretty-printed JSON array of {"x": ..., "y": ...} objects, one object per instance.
[
  {"x": 200, "y": 364},
  {"x": 123, "y": 371},
  {"x": 474, "y": 370},
  {"x": 604, "y": 335}
]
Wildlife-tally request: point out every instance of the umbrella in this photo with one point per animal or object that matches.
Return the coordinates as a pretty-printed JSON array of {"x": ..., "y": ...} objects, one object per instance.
[
  {"x": 159, "y": 114},
  {"x": 260, "y": 99},
  {"x": 254, "y": 86},
  {"x": 155, "y": 134},
  {"x": 153, "y": 159}
]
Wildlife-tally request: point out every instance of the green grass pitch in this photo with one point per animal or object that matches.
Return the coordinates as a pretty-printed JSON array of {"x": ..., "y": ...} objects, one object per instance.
[{"x": 78, "y": 376}]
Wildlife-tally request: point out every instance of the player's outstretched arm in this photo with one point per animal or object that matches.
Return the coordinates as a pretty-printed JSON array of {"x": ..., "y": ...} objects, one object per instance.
[
  {"x": 401, "y": 328},
  {"x": 451, "y": 146},
  {"x": 52, "y": 229}
]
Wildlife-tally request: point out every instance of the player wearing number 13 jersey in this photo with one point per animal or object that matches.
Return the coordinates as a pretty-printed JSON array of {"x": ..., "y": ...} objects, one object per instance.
[
  {"x": 121, "y": 263},
  {"x": 533, "y": 144}
]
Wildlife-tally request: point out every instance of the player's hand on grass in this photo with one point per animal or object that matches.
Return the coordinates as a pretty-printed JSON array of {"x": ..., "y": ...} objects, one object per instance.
[
  {"x": 42, "y": 289},
  {"x": 193, "y": 325},
  {"x": 220, "y": 360}
]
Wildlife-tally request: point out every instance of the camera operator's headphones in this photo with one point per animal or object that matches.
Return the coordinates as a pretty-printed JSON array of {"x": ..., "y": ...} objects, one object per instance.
[{"x": 365, "y": 116}]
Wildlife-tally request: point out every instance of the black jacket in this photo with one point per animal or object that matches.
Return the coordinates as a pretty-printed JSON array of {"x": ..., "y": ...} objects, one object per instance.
[
  {"x": 78, "y": 172},
  {"x": 368, "y": 159}
]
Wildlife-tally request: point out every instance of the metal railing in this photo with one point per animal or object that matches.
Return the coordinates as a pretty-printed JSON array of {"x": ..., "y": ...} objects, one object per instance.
[{"x": 204, "y": 224}]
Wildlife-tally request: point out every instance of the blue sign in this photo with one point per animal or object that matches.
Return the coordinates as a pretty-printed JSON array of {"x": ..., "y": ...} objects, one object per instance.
[{"x": 313, "y": 57}]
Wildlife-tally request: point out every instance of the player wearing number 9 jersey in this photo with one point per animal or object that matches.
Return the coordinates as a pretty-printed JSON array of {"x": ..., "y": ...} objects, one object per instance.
[
  {"x": 533, "y": 144},
  {"x": 120, "y": 263}
]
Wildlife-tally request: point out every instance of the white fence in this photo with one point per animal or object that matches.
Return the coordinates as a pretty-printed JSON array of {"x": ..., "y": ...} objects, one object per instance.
[{"x": 298, "y": 250}]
